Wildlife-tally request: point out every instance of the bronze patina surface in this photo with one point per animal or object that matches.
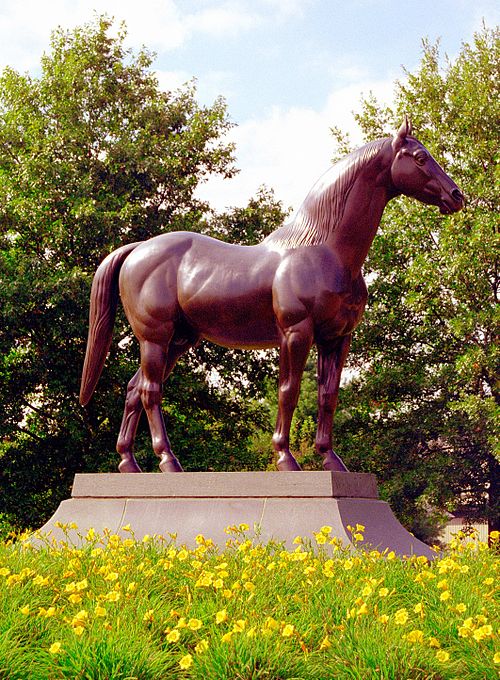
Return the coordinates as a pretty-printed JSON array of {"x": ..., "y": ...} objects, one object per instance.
[{"x": 301, "y": 285}]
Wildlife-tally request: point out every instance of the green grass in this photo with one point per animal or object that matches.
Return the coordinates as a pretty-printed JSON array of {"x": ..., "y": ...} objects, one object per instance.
[{"x": 121, "y": 609}]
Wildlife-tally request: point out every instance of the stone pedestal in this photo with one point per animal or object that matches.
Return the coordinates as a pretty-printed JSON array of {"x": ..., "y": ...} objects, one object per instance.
[{"x": 279, "y": 505}]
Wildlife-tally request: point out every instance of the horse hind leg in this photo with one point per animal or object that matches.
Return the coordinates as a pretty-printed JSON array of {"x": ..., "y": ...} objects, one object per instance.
[
  {"x": 154, "y": 370},
  {"x": 131, "y": 416}
]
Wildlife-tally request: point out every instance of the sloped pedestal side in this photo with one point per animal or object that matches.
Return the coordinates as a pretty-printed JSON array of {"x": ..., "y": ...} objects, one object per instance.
[{"x": 281, "y": 505}]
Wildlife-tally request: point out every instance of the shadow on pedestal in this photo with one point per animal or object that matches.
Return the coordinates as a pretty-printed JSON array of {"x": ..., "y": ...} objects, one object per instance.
[{"x": 281, "y": 505}]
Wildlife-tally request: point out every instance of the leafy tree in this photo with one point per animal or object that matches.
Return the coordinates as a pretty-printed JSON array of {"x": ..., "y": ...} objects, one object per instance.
[
  {"x": 94, "y": 155},
  {"x": 423, "y": 410}
]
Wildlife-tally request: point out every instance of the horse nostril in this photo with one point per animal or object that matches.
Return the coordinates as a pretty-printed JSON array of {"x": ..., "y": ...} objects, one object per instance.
[{"x": 457, "y": 195}]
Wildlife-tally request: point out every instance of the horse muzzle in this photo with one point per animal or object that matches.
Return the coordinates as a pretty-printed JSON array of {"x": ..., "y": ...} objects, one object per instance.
[{"x": 452, "y": 202}]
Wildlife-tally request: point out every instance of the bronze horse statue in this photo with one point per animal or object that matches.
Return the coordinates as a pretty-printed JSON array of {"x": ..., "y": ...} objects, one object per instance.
[{"x": 301, "y": 285}]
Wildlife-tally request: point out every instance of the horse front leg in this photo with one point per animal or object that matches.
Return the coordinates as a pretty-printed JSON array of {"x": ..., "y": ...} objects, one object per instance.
[
  {"x": 331, "y": 361},
  {"x": 296, "y": 342},
  {"x": 128, "y": 428}
]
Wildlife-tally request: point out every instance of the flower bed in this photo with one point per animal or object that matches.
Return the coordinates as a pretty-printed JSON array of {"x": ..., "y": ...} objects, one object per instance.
[{"x": 119, "y": 608}]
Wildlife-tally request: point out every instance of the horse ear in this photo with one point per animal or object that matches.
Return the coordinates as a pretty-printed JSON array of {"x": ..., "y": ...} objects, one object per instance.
[{"x": 404, "y": 131}]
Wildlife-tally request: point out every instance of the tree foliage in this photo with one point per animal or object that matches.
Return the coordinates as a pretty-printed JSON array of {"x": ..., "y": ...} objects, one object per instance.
[
  {"x": 93, "y": 155},
  {"x": 423, "y": 410}
]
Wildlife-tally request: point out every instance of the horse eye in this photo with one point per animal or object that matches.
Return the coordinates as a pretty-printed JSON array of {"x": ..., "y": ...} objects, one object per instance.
[{"x": 420, "y": 158}]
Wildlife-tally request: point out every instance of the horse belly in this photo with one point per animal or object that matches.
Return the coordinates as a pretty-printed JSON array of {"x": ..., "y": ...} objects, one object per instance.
[{"x": 232, "y": 318}]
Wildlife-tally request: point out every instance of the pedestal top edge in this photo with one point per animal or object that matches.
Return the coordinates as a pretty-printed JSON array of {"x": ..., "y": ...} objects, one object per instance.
[{"x": 225, "y": 484}]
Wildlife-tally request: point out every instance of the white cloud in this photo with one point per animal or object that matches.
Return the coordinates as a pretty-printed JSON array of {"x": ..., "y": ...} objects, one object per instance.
[
  {"x": 290, "y": 149},
  {"x": 225, "y": 19}
]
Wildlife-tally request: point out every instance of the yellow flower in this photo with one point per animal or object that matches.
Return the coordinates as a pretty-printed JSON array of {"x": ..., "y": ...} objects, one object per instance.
[
  {"x": 367, "y": 590},
  {"x": 221, "y": 616},
  {"x": 173, "y": 636},
  {"x": 297, "y": 540},
  {"x": 496, "y": 658},
  {"x": 358, "y": 537},
  {"x": 325, "y": 643},
  {"x": 195, "y": 624},
  {"x": 186, "y": 662},
  {"x": 227, "y": 637},
  {"x": 182, "y": 555},
  {"x": 461, "y": 607},
  {"x": 112, "y": 576},
  {"x": 348, "y": 564},
  {"x": 201, "y": 647},
  {"x": 419, "y": 609},
  {"x": 148, "y": 616},
  {"x": 243, "y": 527},
  {"x": 55, "y": 648},
  {"x": 445, "y": 595},
  {"x": 40, "y": 581},
  {"x": 383, "y": 618},
  {"x": 320, "y": 539},
  {"x": 113, "y": 596},
  {"x": 249, "y": 586},
  {"x": 80, "y": 617},
  {"x": 75, "y": 598},
  {"x": 383, "y": 592},
  {"x": 126, "y": 528},
  {"x": 270, "y": 624},
  {"x": 443, "y": 584},
  {"x": 131, "y": 587},
  {"x": 415, "y": 636},
  {"x": 288, "y": 630},
  {"x": 434, "y": 642},
  {"x": 82, "y": 585},
  {"x": 25, "y": 610},
  {"x": 363, "y": 609},
  {"x": 100, "y": 611},
  {"x": 401, "y": 617},
  {"x": 78, "y": 630},
  {"x": 488, "y": 581},
  {"x": 483, "y": 632},
  {"x": 4, "y": 571},
  {"x": 442, "y": 656},
  {"x": 391, "y": 555},
  {"x": 239, "y": 626},
  {"x": 327, "y": 530},
  {"x": 494, "y": 536}
]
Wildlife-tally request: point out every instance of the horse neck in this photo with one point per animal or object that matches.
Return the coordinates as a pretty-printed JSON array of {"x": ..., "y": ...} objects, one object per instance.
[{"x": 354, "y": 233}]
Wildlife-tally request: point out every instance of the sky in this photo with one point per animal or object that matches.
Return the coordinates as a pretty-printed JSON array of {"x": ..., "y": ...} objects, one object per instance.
[{"x": 289, "y": 70}]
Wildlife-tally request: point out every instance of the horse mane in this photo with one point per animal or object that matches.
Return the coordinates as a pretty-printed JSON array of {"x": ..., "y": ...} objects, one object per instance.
[{"x": 323, "y": 207}]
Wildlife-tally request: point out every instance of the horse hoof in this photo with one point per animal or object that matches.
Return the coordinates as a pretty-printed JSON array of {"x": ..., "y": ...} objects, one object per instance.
[
  {"x": 128, "y": 465},
  {"x": 334, "y": 463},
  {"x": 287, "y": 464},
  {"x": 170, "y": 464}
]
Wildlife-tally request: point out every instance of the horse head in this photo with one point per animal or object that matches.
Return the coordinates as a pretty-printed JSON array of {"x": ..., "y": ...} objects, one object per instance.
[{"x": 415, "y": 173}]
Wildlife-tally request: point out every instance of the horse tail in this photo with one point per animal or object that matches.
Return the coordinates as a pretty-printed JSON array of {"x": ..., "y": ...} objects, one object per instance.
[{"x": 103, "y": 303}]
